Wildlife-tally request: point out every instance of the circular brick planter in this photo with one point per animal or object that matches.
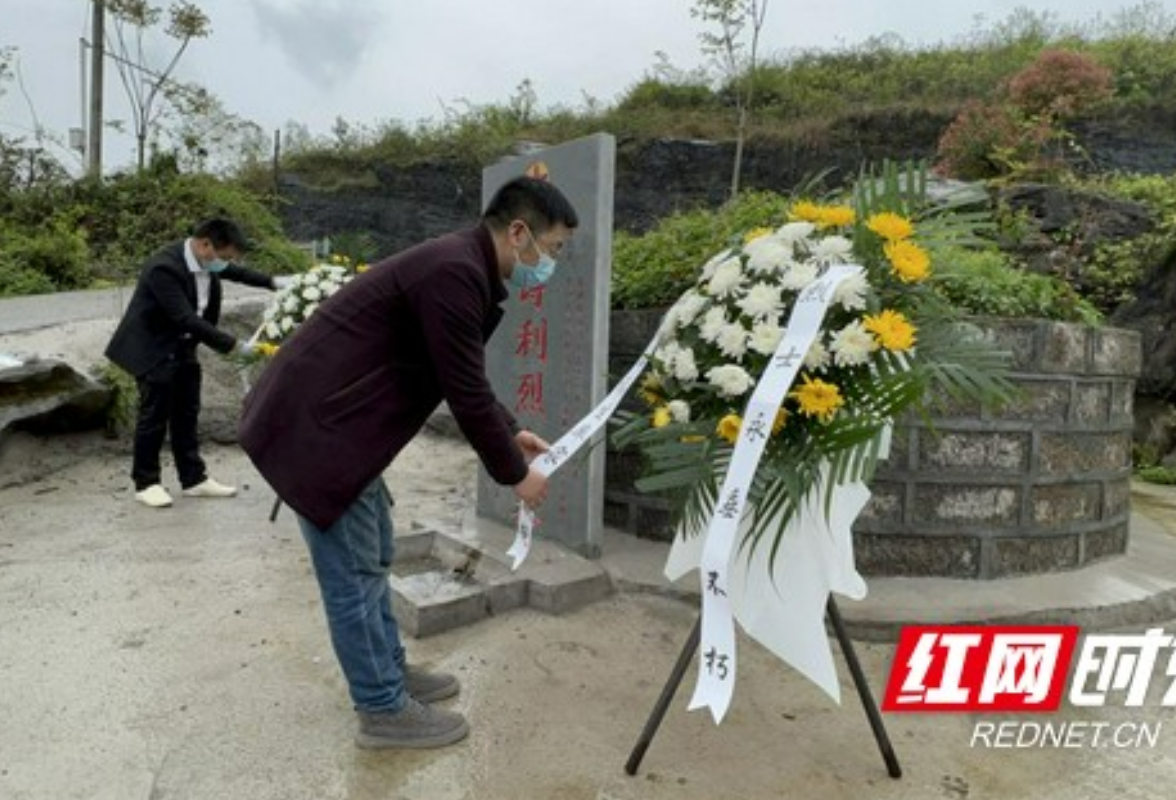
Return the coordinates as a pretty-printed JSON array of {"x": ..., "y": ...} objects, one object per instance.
[{"x": 1039, "y": 486}]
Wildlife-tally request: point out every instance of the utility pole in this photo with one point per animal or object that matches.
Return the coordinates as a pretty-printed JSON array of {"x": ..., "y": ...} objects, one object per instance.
[{"x": 97, "y": 57}]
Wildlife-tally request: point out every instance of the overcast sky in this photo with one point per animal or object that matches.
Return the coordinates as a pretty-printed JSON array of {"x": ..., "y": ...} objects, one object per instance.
[{"x": 273, "y": 61}]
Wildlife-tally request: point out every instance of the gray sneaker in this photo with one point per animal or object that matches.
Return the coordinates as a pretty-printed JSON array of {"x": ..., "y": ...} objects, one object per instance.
[
  {"x": 429, "y": 687},
  {"x": 415, "y": 726}
]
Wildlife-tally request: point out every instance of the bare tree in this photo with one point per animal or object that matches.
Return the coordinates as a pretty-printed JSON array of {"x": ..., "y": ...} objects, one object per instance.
[
  {"x": 732, "y": 21},
  {"x": 132, "y": 21}
]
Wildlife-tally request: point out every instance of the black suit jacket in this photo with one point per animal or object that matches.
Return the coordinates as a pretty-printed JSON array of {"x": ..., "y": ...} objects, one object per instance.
[{"x": 162, "y": 324}]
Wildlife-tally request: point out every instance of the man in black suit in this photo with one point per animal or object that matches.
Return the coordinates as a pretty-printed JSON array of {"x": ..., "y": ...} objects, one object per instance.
[{"x": 175, "y": 309}]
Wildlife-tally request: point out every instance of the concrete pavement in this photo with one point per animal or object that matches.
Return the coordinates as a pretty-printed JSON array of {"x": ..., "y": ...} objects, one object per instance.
[{"x": 182, "y": 654}]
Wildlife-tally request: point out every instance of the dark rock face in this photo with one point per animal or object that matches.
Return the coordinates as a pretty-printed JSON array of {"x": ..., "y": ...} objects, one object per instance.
[{"x": 654, "y": 178}]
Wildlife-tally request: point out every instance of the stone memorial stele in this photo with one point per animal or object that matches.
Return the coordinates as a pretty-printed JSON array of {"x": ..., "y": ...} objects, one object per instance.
[{"x": 548, "y": 360}]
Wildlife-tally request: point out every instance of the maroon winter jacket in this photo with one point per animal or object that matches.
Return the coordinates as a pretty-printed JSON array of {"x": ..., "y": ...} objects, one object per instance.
[{"x": 358, "y": 380}]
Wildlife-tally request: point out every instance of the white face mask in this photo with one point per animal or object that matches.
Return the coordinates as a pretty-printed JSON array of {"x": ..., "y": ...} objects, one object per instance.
[
  {"x": 527, "y": 276},
  {"x": 216, "y": 265}
]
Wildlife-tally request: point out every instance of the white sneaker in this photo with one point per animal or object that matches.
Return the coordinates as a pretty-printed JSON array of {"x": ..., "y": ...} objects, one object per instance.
[
  {"x": 154, "y": 497},
  {"x": 210, "y": 488}
]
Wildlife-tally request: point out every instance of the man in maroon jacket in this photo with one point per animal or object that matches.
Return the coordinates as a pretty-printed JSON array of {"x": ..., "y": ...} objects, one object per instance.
[{"x": 353, "y": 385}]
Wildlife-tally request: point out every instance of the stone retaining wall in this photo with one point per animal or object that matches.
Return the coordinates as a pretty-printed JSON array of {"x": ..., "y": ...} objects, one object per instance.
[{"x": 1040, "y": 486}]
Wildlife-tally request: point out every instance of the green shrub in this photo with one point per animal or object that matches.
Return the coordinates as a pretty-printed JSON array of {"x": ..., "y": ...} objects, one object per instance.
[
  {"x": 18, "y": 280},
  {"x": 984, "y": 282},
  {"x": 1158, "y": 474},
  {"x": 51, "y": 257},
  {"x": 653, "y": 269},
  {"x": 124, "y": 398},
  {"x": 1112, "y": 273}
]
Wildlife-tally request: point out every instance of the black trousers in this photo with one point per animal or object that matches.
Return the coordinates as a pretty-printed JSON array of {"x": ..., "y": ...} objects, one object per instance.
[{"x": 169, "y": 404}]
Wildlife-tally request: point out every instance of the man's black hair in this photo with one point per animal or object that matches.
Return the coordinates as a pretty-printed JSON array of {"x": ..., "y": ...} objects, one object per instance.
[
  {"x": 536, "y": 202},
  {"x": 222, "y": 233}
]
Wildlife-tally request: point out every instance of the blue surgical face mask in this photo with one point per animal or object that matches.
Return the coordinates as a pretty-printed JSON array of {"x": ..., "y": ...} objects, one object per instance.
[
  {"x": 528, "y": 276},
  {"x": 216, "y": 265}
]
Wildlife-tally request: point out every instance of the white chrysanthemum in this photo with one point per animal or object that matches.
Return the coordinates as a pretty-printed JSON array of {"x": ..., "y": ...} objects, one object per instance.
[
  {"x": 709, "y": 268},
  {"x": 817, "y": 357},
  {"x": 689, "y": 307},
  {"x": 685, "y": 368},
  {"x": 308, "y": 279},
  {"x": 291, "y": 304},
  {"x": 287, "y": 324},
  {"x": 732, "y": 340},
  {"x": 272, "y": 330},
  {"x": 851, "y": 292},
  {"x": 679, "y": 410},
  {"x": 727, "y": 280},
  {"x": 765, "y": 337},
  {"x": 762, "y": 301},
  {"x": 310, "y": 309},
  {"x": 852, "y": 345},
  {"x": 792, "y": 232},
  {"x": 730, "y": 380},
  {"x": 713, "y": 322},
  {"x": 330, "y": 288},
  {"x": 832, "y": 250},
  {"x": 767, "y": 255},
  {"x": 312, "y": 294},
  {"x": 667, "y": 353},
  {"x": 799, "y": 275}
]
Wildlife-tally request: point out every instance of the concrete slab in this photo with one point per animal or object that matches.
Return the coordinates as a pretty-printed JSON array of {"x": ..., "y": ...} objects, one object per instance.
[{"x": 444, "y": 579}]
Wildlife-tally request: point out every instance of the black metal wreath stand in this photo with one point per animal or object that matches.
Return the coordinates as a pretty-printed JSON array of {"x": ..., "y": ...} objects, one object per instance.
[{"x": 855, "y": 669}]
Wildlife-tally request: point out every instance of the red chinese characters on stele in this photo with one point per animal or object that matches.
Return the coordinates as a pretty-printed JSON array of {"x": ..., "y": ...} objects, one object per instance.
[{"x": 1020, "y": 668}]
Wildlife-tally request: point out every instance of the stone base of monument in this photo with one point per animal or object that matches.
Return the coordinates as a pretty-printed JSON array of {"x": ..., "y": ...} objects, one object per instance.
[{"x": 444, "y": 579}]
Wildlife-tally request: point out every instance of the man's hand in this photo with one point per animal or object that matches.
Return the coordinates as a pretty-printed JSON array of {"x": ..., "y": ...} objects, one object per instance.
[
  {"x": 532, "y": 446},
  {"x": 245, "y": 349},
  {"x": 532, "y": 490}
]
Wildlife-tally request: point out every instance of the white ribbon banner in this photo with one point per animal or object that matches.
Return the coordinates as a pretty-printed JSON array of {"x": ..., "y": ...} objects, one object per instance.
[
  {"x": 565, "y": 447},
  {"x": 717, "y": 660}
]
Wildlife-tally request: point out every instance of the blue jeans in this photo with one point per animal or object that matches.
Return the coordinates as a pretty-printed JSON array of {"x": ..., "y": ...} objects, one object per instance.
[{"x": 351, "y": 560}]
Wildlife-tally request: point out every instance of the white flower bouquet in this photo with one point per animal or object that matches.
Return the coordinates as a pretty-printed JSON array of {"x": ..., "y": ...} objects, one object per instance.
[{"x": 294, "y": 303}]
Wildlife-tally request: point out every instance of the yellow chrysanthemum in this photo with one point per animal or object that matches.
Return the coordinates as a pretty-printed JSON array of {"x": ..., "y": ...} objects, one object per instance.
[
  {"x": 728, "y": 427},
  {"x": 780, "y": 421},
  {"x": 891, "y": 226},
  {"x": 362, "y": 268},
  {"x": 267, "y": 350},
  {"x": 818, "y": 398},
  {"x": 892, "y": 330},
  {"x": 651, "y": 390},
  {"x": 806, "y": 211},
  {"x": 661, "y": 417},
  {"x": 911, "y": 262},
  {"x": 755, "y": 233},
  {"x": 823, "y": 216},
  {"x": 836, "y": 216}
]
